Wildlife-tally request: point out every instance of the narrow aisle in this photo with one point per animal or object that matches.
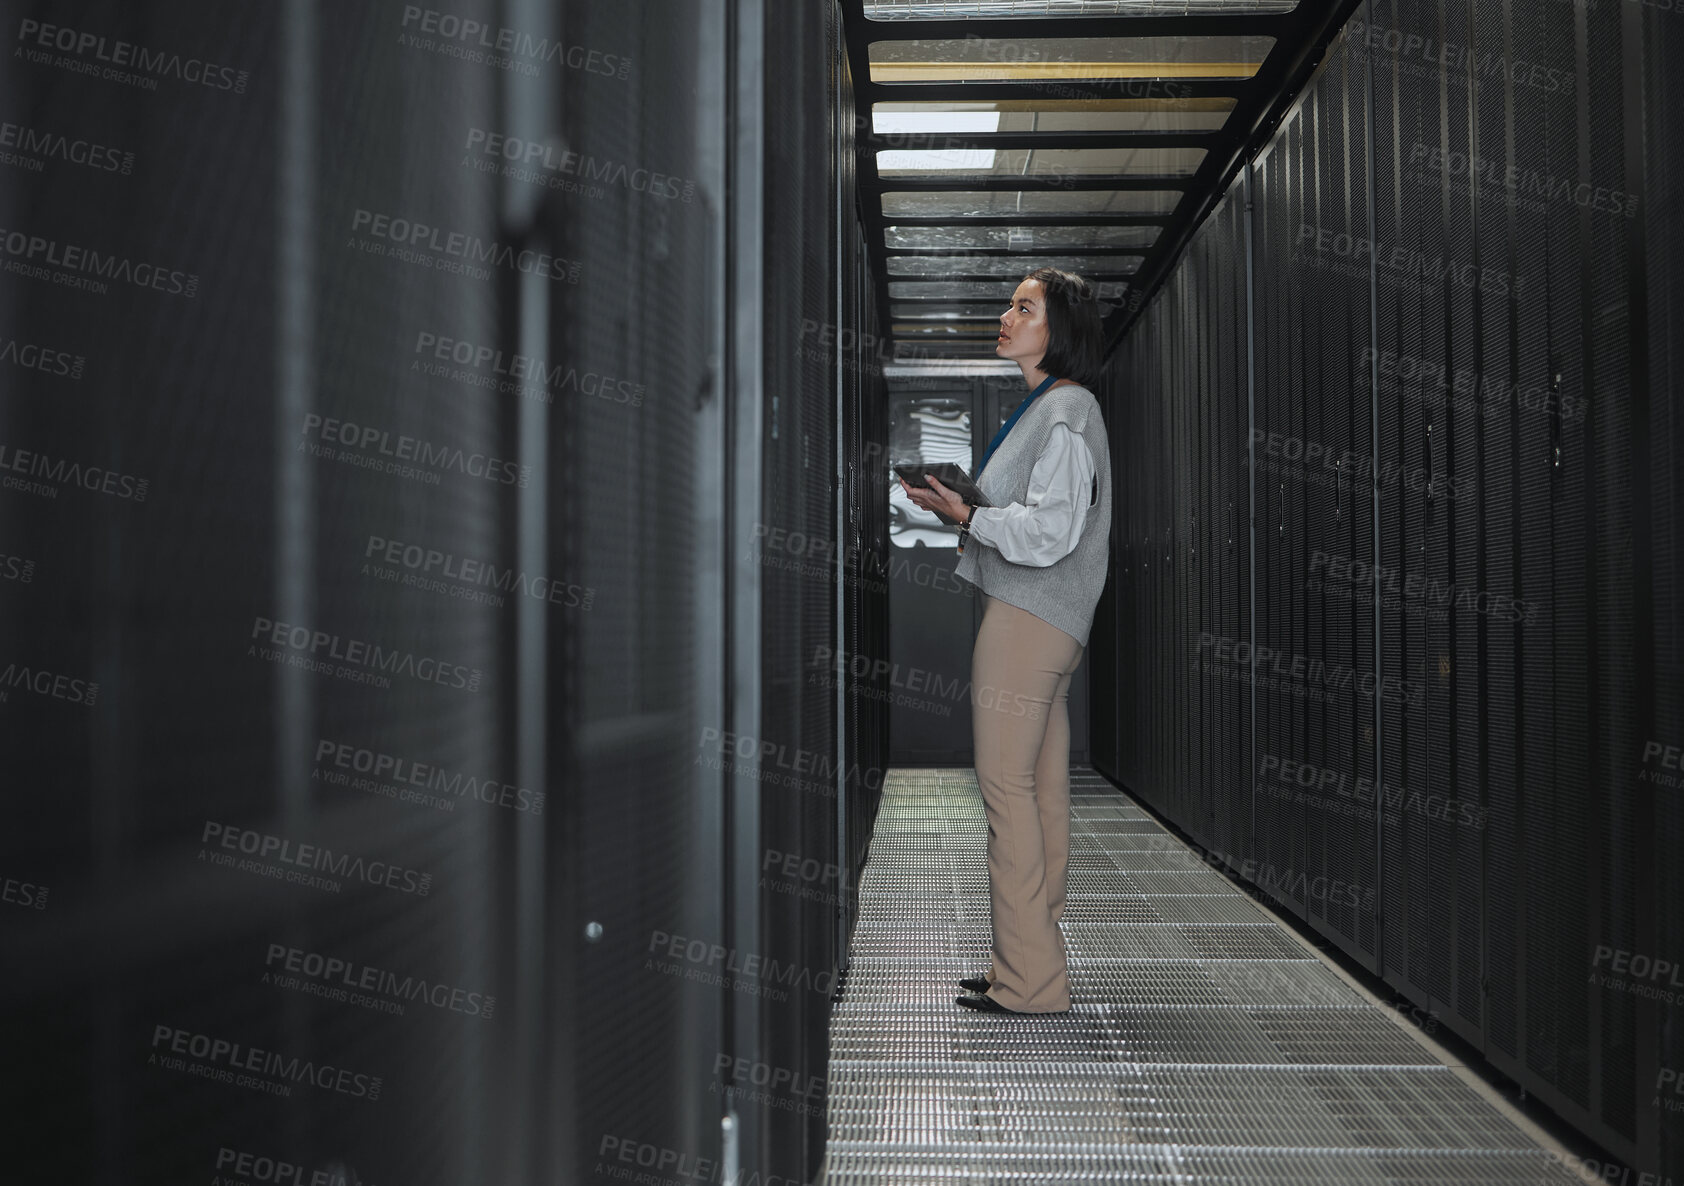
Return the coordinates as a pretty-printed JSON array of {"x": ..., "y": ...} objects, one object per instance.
[{"x": 1206, "y": 1042}]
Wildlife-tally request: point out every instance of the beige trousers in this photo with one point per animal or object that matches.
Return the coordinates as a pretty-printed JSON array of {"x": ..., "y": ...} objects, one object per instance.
[{"x": 1020, "y": 720}]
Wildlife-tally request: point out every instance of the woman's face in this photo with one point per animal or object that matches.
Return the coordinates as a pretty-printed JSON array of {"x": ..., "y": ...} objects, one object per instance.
[{"x": 1023, "y": 327}]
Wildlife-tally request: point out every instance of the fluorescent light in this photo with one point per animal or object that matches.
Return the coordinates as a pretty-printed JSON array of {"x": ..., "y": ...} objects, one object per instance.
[
  {"x": 975, "y": 160},
  {"x": 919, "y": 131},
  {"x": 892, "y": 123}
]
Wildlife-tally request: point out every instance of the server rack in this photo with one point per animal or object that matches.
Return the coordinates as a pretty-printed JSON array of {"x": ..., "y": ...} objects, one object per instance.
[
  {"x": 1466, "y": 626},
  {"x": 602, "y": 911}
]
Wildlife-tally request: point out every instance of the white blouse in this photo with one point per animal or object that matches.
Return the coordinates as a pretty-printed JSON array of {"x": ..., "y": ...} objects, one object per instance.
[{"x": 1047, "y": 526}]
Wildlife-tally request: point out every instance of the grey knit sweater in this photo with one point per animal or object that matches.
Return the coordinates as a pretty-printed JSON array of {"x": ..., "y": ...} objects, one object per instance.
[{"x": 1062, "y": 594}]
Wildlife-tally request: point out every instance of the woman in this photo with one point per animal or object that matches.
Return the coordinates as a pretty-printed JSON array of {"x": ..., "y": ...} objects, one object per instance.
[{"x": 1039, "y": 556}]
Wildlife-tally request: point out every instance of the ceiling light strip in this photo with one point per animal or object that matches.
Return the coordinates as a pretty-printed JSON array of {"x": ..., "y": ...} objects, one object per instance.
[{"x": 907, "y": 72}]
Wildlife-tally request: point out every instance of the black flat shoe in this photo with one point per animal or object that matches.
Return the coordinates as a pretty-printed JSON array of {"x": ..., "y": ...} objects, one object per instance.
[
  {"x": 974, "y": 984},
  {"x": 983, "y": 1003}
]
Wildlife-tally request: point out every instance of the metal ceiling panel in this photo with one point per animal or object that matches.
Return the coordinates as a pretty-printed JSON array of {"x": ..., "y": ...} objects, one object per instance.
[
  {"x": 1008, "y": 133},
  {"x": 905, "y": 123},
  {"x": 980, "y": 290},
  {"x": 964, "y": 59},
  {"x": 1053, "y": 164},
  {"x": 922, "y": 349},
  {"x": 937, "y": 10},
  {"x": 968, "y": 204},
  {"x": 1000, "y": 238},
  {"x": 1012, "y": 266},
  {"x": 958, "y": 310}
]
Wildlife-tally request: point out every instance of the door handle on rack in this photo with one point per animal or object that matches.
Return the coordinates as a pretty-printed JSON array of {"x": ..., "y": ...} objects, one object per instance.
[
  {"x": 1432, "y": 476},
  {"x": 1555, "y": 420}
]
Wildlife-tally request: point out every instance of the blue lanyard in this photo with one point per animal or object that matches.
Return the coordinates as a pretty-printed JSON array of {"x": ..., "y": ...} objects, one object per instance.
[{"x": 1007, "y": 426}]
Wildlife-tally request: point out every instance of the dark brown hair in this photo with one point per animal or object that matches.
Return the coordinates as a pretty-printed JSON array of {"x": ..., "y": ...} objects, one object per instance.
[{"x": 1075, "y": 340}]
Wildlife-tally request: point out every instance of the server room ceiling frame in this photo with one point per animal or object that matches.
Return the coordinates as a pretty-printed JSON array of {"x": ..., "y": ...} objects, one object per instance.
[{"x": 1031, "y": 73}]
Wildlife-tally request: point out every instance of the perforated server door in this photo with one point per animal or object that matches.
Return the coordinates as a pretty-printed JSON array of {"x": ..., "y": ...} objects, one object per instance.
[
  {"x": 1655, "y": 167},
  {"x": 633, "y": 685},
  {"x": 799, "y": 610},
  {"x": 1466, "y": 533},
  {"x": 1224, "y": 540},
  {"x": 1335, "y": 770},
  {"x": 407, "y": 649},
  {"x": 1286, "y": 480}
]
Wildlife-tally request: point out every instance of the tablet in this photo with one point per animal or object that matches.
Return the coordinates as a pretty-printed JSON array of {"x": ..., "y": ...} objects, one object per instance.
[{"x": 949, "y": 474}]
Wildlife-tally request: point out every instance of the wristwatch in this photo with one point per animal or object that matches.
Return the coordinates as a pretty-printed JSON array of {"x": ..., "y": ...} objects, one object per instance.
[{"x": 965, "y": 528}]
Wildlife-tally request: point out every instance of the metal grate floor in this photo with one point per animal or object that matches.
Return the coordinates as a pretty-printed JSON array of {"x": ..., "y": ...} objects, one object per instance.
[{"x": 1205, "y": 1042}]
